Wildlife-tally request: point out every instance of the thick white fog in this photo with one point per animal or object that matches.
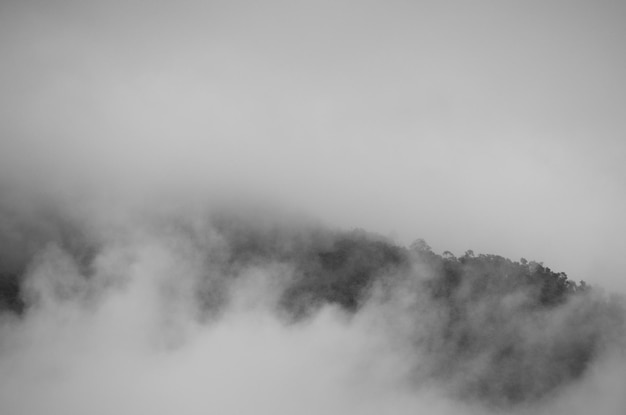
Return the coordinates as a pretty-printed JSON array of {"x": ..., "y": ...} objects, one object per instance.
[
  {"x": 132, "y": 336},
  {"x": 491, "y": 126}
]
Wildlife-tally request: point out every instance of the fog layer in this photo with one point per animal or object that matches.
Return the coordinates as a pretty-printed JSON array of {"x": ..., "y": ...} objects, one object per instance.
[{"x": 195, "y": 309}]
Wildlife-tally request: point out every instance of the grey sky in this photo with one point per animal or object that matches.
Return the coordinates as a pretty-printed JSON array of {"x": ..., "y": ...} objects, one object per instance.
[{"x": 495, "y": 126}]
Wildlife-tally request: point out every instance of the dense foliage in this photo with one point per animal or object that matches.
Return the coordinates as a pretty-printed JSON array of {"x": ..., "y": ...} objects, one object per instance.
[{"x": 500, "y": 331}]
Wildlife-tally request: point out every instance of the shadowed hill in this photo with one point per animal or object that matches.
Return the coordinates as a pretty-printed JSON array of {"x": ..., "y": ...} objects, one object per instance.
[{"x": 500, "y": 332}]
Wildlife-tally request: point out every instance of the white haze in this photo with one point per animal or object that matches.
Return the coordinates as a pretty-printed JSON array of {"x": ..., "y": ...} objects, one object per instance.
[
  {"x": 492, "y": 126},
  {"x": 131, "y": 339}
]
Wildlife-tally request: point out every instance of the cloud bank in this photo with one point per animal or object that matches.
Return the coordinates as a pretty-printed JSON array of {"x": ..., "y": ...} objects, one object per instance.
[
  {"x": 225, "y": 310},
  {"x": 135, "y": 277}
]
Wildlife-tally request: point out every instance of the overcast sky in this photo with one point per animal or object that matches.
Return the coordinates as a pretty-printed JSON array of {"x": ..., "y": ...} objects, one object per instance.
[{"x": 497, "y": 126}]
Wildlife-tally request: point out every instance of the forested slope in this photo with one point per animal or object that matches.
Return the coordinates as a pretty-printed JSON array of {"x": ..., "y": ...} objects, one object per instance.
[{"x": 499, "y": 331}]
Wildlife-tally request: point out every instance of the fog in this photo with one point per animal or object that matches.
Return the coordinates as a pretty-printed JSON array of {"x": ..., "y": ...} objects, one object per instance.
[
  {"x": 197, "y": 310},
  {"x": 493, "y": 127},
  {"x": 126, "y": 126}
]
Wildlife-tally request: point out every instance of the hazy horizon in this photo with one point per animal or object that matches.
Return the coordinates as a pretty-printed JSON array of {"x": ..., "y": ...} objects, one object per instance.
[{"x": 497, "y": 127}]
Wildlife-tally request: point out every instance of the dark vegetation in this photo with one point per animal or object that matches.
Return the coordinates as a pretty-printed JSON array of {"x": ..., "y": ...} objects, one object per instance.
[
  {"x": 506, "y": 332},
  {"x": 23, "y": 235}
]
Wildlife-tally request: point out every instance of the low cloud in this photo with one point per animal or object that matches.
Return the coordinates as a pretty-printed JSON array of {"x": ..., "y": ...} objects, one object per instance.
[{"x": 190, "y": 310}]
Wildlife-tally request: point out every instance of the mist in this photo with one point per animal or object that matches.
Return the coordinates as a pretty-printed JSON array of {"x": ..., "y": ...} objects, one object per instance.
[
  {"x": 217, "y": 207},
  {"x": 239, "y": 310}
]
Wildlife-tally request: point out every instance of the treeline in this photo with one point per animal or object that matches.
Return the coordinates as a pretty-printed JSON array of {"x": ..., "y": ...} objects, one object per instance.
[
  {"x": 501, "y": 331},
  {"x": 335, "y": 267},
  {"x": 340, "y": 267}
]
